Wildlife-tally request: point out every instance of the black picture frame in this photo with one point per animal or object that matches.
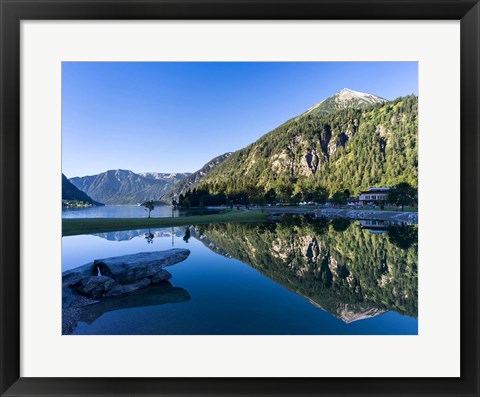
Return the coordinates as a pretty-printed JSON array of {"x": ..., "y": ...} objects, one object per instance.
[{"x": 14, "y": 11}]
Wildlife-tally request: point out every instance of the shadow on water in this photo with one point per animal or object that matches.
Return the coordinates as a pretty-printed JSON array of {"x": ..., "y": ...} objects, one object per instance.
[
  {"x": 350, "y": 269},
  {"x": 153, "y": 295}
]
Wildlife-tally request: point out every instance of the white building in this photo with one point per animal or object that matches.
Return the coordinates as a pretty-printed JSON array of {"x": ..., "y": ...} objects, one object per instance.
[{"x": 374, "y": 194}]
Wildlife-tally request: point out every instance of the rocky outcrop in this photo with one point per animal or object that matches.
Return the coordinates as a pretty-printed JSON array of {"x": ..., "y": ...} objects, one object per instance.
[
  {"x": 119, "y": 275},
  {"x": 130, "y": 268},
  {"x": 94, "y": 286}
]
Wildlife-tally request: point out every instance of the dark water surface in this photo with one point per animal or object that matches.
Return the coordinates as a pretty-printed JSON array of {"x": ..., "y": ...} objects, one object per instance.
[{"x": 296, "y": 277}]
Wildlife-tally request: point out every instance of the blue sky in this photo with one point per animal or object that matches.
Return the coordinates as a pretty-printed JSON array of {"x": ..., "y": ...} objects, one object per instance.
[{"x": 175, "y": 117}]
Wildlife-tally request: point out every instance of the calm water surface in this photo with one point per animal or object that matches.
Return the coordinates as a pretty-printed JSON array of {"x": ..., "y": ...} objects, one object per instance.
[
  {"x": 129, "y": 211},
  {"x": 295, "y": 277}
]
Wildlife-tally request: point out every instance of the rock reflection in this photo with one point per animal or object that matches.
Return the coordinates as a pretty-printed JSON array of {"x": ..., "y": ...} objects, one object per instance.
[{"x": 153, "y": 295}]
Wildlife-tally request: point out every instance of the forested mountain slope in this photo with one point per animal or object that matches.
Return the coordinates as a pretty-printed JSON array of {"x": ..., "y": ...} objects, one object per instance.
[
  {"x": 348, "y": 148},
  {"x": 195, "y": 178}
]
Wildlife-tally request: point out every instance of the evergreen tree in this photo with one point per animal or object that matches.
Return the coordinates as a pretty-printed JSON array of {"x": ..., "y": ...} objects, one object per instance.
[{"x": 402, "y": 194}]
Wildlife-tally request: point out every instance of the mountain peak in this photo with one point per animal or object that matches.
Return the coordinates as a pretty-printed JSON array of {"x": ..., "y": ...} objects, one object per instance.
[
  {"x": 348, "y": 91},
  {"x": 345, "y": 98},
  {"x": 347, "y": 95}
]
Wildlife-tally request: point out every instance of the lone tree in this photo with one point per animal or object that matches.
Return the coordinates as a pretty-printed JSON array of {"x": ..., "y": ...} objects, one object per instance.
[
  {"x": 402, "y": 194},
  {"x": 149, "y": 207}
]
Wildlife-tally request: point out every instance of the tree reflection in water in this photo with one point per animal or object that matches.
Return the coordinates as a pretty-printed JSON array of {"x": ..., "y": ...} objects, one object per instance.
[
  {"x": 187, "y": 234},
  {"x": 337, "y": 265},
  {"x": 149, "y": 237}
]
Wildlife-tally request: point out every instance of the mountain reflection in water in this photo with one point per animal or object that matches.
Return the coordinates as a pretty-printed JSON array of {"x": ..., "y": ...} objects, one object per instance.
[
  {"x": 342, "y": 267},
  {"x": 129, "y": 234},
  {"x": 299, "y": 276}
]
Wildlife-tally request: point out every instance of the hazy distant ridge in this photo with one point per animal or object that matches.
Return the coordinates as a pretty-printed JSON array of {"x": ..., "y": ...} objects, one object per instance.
[{"x": 116, "y": 187}]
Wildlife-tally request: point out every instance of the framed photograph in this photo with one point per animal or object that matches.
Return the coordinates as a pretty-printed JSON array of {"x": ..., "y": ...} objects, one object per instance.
[{"x": 256, "y": 198}]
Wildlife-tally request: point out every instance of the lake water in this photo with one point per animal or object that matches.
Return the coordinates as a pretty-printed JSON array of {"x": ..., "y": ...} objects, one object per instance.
[
  {"x": 129, "y": 211},
  {"x": 296, "y": 277}
]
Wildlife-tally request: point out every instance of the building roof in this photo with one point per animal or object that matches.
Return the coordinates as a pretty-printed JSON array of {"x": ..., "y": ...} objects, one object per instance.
[
  {"x": 375, "y": 192},
  {"x": 379, "y": 188}
]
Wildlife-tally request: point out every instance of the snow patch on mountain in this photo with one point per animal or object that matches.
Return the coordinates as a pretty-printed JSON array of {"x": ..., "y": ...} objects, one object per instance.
[
  {"x": 165, "y": 175},
  {"x": 343, "y": 99},
  {"x": 346, "y": 96}
]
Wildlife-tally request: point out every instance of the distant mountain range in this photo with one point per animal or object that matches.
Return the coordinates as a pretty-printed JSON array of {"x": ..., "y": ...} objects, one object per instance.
[
  {"x": 163, "y": 176},
  {"x": 116, "y": 187},
  {"x": 351, "y": 140},
  {"x": 71, "y": 193},
  {"x": 121, "y": 187}
]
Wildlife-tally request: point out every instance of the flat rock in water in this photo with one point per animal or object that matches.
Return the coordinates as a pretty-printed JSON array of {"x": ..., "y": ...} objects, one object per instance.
[
  {"x": 162, "y": 275},
  {"x": 128, "y": 269},
  {"x": 119, "y": 275},
  {"x": 72, "y": 276},
  {"x": 94, "y": 286},
  {"x": 122, "y": 289}
]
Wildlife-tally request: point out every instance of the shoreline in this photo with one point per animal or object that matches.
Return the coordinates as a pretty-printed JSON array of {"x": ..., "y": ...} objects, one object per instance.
[
  {"x": 76, "y": 226},
  {"x": 353, "y": 214}
]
